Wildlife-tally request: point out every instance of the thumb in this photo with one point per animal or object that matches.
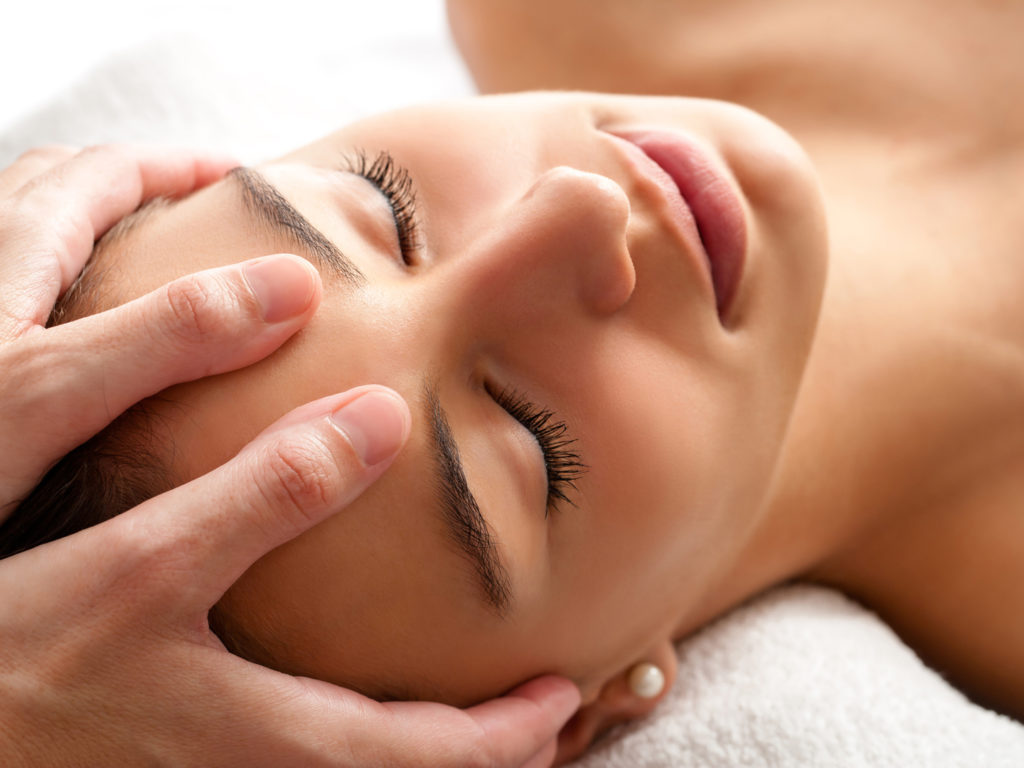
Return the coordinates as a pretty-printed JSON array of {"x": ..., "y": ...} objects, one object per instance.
[{"x": 302, "y": 469}]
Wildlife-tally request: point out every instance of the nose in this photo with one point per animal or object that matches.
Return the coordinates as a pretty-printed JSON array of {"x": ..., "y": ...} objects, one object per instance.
[{"x": 559, "y": 248}]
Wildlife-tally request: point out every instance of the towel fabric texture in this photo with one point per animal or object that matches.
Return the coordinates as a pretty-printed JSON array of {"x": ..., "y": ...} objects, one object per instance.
[{"x": 802, "y": 676}]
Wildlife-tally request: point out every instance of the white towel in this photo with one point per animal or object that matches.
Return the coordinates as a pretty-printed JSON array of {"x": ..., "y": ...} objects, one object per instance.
[{"x": 801, "y": 676}]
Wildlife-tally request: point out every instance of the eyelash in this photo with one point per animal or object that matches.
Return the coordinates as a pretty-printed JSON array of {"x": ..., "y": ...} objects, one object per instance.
[
  {"x": 393, "y": 181},
  {"x": 562, "y": 463}
]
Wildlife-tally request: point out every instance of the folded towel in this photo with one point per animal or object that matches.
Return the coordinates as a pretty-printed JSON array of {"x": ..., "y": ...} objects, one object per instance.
[{"x": 802, "y": 676}]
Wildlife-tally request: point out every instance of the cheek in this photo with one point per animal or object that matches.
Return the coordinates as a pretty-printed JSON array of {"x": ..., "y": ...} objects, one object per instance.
[{"x": 674, "y": 471}]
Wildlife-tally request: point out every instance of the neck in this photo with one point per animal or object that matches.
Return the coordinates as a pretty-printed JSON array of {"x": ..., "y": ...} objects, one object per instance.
[
  {"x": 859, "y": 451},
  {"x": 882, "y": 416}
]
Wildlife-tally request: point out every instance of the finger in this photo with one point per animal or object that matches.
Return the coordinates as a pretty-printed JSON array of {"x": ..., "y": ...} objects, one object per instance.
[
  {"x": 524, "y": 724},
  {"x": 519, "y": 729},
  {"x": 509, "y": 731},
  {"x": 32, "y": 163},
  {"x": 50, "y": 225},
  {"x": 65, "y": 384},
  {"x": 299, "y": 471},
  {"x": 545, "y": 757},
  {"x": 267, "y": 718}
]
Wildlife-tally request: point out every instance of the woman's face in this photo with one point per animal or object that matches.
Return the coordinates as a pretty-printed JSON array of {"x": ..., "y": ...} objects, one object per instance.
[{"x": 548, "y": 274}]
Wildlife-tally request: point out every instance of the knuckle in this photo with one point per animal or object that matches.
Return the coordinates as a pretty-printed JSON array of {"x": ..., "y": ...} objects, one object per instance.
[
  {"x": 33, "y": 153},
  {"x": 300, "y": 475},
  {"x": 57, "y": 228},
  {"x": 26, "y": 225},
  {"x": 103, "y": 151},
  {"x": 34, "y": 211},
  {"x": 43, "y": 153},
  {"x": 115, "y": 157},
  {"x": 192, "y": 306},
  {"x": 23, "y": 213}
]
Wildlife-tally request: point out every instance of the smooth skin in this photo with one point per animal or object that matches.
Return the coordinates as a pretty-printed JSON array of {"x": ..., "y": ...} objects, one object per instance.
[
  {"x": 548, "y": 264},
  {"x": 903, "y": 478},
  {"x": 105, "y": 653}
]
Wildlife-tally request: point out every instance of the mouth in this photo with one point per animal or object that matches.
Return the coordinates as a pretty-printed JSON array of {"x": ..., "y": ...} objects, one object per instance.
[{"x": 705, "y": 207}]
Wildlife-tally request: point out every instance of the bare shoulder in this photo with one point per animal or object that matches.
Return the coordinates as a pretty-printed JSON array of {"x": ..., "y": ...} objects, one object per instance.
[
  {"x": 513, "y": 45},
  {"x": 896, "y": 65},
  {"x": 950, "y": 581}
]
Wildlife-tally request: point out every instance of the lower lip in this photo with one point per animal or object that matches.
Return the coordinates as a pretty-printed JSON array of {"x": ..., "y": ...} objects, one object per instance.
[{"x": 712, "y": 200}]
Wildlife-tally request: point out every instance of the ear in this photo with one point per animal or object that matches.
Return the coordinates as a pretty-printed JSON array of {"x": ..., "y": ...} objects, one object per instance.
[{"x": 615, "y": 703}]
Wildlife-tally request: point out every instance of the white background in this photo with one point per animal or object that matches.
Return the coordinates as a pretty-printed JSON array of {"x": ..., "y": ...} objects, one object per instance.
[{"x": 46, "y": 46}]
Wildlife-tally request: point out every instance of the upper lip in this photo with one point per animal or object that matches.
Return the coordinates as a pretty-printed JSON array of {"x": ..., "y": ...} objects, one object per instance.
[{"x": 675, "y": 213}]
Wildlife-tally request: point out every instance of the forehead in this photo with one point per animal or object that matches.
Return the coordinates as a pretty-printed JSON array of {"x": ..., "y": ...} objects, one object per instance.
[
  {"x": 387, "y": 549},
  {"x": 165, "y": 240}
]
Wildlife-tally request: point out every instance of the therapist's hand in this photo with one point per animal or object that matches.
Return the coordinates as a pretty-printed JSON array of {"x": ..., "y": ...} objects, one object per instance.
[
  {"x": 60, "y": 386},
  {"x": 105, "y": 654},
  {"x": 106, "y": 657}
]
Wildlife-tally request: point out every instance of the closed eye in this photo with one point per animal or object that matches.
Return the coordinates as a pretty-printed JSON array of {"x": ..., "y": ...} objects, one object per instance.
[
  {"x": 394, "y": 182},
  {"x": 561, "y": 461}
]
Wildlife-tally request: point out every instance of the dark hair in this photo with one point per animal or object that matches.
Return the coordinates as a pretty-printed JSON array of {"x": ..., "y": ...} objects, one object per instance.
[
  {"x": 108, "y": 474},
  {"x": 103, "y": 477}
]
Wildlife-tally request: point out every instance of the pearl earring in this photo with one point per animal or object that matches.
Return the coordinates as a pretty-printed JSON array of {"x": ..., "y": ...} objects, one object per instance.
[{"x": 646, "y": 680}]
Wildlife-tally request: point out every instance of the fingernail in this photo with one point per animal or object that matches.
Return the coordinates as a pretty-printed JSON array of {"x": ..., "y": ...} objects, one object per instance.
[
  {"x": 376, "y": 424},
  {"x": 283, "y": 285}
]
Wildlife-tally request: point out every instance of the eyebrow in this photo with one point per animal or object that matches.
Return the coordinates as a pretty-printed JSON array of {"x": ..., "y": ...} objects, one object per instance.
[
  {"x": 270, "y": 208},
  {"x": 461, "y": 512},
  {"x": 466, "y": 525}
]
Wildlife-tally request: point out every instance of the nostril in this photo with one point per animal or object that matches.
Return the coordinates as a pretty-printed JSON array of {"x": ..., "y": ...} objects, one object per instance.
[
  {"x": 609, "y": 273},
  {"x": 611, "y": 281},
  {"x": 579, "y": 220}
]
